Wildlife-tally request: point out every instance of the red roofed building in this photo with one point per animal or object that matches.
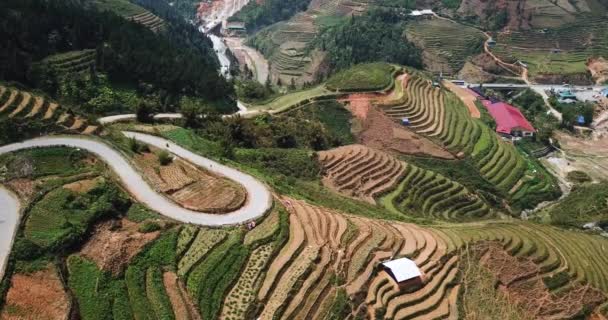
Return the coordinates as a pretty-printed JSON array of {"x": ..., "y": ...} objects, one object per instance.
[{"x": 509, "y": 120}]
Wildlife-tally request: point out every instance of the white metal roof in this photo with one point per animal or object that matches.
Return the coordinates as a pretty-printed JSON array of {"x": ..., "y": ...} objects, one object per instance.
[
  {"x": 421, "y": 12},
  {"x": 403, "y": 269}
]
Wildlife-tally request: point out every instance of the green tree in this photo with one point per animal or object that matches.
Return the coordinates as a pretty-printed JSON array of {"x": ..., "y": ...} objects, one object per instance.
[{"x": 144, "y": 112}]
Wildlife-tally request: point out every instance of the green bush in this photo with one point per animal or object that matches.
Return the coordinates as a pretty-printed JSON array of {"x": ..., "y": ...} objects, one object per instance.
[
  {"x": 149, "y": 226},
  {"x": 586, "y": 203},
  {"x": 139, "y": 213},
  {"x": 121, "y": 308},
  {"x": 578, "y": 177},
  {"x": 164, "y": 157},
  {"x": 135, "y": 278},
  {"x": 557, "y": 280}
]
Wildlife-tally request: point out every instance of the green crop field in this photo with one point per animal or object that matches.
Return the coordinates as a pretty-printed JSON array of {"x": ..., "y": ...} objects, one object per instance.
[{"x": 364, "y": 77}]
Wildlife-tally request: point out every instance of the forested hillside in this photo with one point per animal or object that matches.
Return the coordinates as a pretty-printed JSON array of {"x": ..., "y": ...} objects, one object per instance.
[
  {"x": 375, "y": 36},
  {"x": 174, "y": 61}
]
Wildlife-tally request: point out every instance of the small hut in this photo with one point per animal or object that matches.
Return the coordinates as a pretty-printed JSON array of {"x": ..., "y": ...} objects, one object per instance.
[{"x": 404, "y": 271}]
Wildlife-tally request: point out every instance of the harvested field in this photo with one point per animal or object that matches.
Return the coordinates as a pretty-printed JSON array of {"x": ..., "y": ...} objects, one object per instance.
[
  {"x": 39, "y": 295},
  {"x": 190, "y": 186},
  {"x": 359, "y": 171},
  {"x": 240, "y": 298},
  {"x": 25, "y": 106},
  {"x": 114, "y": 243},
  {"x": 518, "y": 278},
  {"x": 466, "y": 96},
  {"x": 380, "y": 132}
]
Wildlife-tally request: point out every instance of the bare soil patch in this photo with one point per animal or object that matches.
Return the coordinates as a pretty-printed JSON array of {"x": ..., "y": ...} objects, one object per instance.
[
  {"x": 36, "y": 296},
  {"x": 180, "y": 300},
  {"x": 599, "y": 69},
  {"x": 24, "y": 188},
  {"x": 380, "y": 132},
  {"x": 83, "y": 186},
  {"x": 114, "y": 243},
  {"x": 466, "y": 97}
]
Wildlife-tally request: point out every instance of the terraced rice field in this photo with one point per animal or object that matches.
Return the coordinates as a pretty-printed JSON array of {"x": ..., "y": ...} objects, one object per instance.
[
  {"x": 447, "y": 44},
  {"x": 441, "y": 116},
  {"x": 25, "y": 106},
  {"x": 359, "y": 171},
  {"x": 563, "y": 50},
  {"x": 149, "y": 20},
  {"x": 327, "y": 253},
  {"x": 73, "y": 62},
  {"x": 190, "y": 186},
  {"x": 286, "y": 46}
]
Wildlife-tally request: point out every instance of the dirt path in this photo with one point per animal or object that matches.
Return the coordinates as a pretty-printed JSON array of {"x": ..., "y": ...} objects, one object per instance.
[
  {"x": 466, "y": 97},
  {"x": 181, "y": 308},
  {"x": 254, "y": 60}
]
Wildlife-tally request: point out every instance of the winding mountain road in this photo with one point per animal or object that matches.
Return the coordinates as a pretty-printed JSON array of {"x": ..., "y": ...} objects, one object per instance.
[{"x": 259, "y": 199}]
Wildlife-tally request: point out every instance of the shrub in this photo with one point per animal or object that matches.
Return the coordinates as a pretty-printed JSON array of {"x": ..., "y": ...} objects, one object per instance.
[
  {"x": 149, "y": 226},
  {"x": 164, "y": 158},
  {"x": 578, "y": 177},
  {"x": 557, "y": 280}
]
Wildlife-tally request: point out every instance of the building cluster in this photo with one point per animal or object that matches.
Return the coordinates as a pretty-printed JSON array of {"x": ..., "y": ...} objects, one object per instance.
[{"x": 510, "y": 122}]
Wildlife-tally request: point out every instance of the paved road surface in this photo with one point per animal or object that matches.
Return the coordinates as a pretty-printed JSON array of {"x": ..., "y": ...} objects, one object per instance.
[
  {"x": 258, "y": 202},
  {"x": 9, "y": 219}
]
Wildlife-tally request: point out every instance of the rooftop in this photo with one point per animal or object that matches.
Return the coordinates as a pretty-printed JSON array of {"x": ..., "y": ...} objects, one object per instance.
[
  {"x": 507, "y": 117},
  {"x": 422, "y": 12},
  {"x": 402, "y": 269}
]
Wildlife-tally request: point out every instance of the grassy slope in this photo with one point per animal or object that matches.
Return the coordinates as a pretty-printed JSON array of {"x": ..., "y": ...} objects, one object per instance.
[{"x": 363, "y": 77}]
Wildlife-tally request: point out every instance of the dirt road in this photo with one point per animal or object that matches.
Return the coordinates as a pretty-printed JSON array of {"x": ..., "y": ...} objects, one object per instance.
[
  {"x": 466, "y": 97},
  {"x": 254, "y": 60}
]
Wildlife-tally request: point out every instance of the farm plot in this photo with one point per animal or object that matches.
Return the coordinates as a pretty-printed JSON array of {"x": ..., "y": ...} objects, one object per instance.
[
  {"x": 149, "y": 20},
  {"x": 286, "y": 45},
  {"x": 446, "y": 44},
  {"x": 560, "y": 51},
  {"x": 359, "y": 171},
  {"x": 73, "y": 62},
  {"x": 27, "y": 107},
  {"x": 444, "y": 118},
  {"x": 39, "y": 295},
  {"x": 191, "y": 186}
]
